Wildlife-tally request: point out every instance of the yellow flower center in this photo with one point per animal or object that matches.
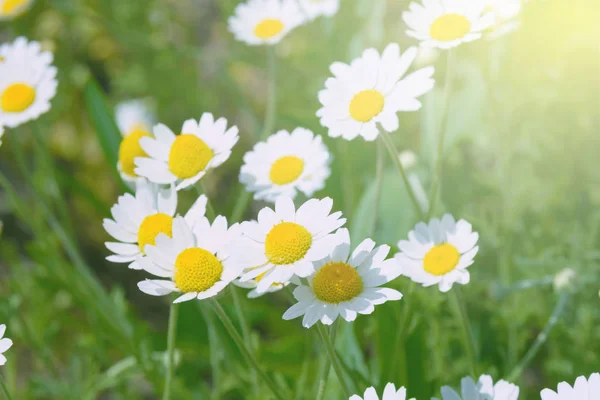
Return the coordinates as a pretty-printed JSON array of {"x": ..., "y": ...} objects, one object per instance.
[
  {"x": 287, "y": 243},
  {"x": 11, "y": 6},
  {"x": 366, "y": 104},
  {"x": 441, "y": 259},
  {"x": 268, "y": 28},
  {"x": 197, "y": 270},
  {"x": 18, "y": 97},
  {"x": 130, "y": 149},
  {"x": 189, "y": 155},
  {"x": 286, "y": 170},
  {"x": 151, "y": 226},
  {"x": 337, "y": 282},
  {"x": 450, "y": 27}
]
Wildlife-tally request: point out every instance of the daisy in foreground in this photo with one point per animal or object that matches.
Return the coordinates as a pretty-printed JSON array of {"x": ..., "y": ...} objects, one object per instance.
[
  {"x": 27, "y": 84},
  {"x": 137, "y": 220},
  {"x": 285, "y": 164},
  {"x": 13, "y": 8},
  {"x": 23, "y": 51},
  {"x": 584, "y": 389},
  {"x": 344, "y": 284},
  {"x": 316, "y": 8},
  {"x": 483, "y": 389},
  {"x": 184, "y": 159},
  {"x": 135, "y": 121},
  {"x": 439, "y": 253},
  {"x": 285, "y": 242},
  {"x": 389, "y": 393},
  {"x": 372, "y": 90},
  {"x": 5, "y": 344},
  {"x": 196, "y": 261},
  {"x": 447, "y": 23},
  {"x": 258, "y": 22}
]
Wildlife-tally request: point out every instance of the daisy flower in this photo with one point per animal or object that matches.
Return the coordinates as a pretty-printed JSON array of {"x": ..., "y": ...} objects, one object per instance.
[
  {"x": 447, "y": 23},
  {"x": 389, "y": 393},
  {"x": 284, "y": 242},
  {"x": 27, "y": 84},
  {"x": 24, "y": 52},
  {"x": 13, "y": 8},
  {"x": 253, "y": 283},
  {"x": 484, "y": 389},
  {"x": 439, "y": 253},
  {"x": 371, "y": 90},
  {"x": 345, "y": 285},
  {"x": 195, "y": 260},
  {"x": 135, "y": 121},
  {"x": 505, "y": 13},
  {"x": 137, "y": 220},
  {"x": 5, "y": 344},
  {"x": 184, "y": 159},
  {"x": 316, "y": 8},
  {"x": 258, "y": 22},
  {"x": 285, "y": 164},
  {"x": 584, "y": 389}
]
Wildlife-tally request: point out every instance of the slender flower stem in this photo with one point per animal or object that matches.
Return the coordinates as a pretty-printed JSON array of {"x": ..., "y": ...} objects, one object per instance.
[
  {"x": 401, "y": 335},
  {"x": 378, "y": 184},
  {"x": 210, "y": 210},
  {"x": 389, "y": 143},
  {"x": 4, "y": 390},
  {"x": 172, "y": 334},
  {"x": 541, "y": 338},
  {"x": 335, "y": 362},
  {"x": 469, "y": 343},
  {"x": 245, "y": 351},
  {"x": 435, "y": 183},
  {"x": 245, "y": 328},
  {"x": 325, "y": 373},
  {"x": 270, "y": 113}
]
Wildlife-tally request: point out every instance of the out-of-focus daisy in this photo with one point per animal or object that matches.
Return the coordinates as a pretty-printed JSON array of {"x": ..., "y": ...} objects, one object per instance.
[
  {"x": 5, "y": 344},
  {"x": 447, "y": 23},
  {"x": 253, "y": 283},
  {"x": 344, "y": 284},
  {"x": 258, "y": 22},
  {"x": 372, "y": 90},
  {"x": 439, "y": 253},
  {"x": 137, "y": 220},
  {"x": 27, "y": 84},
  {"x": 13, "y": 8},
  {"x": 135, "y": 121},
  {"x": 196, "y": 260},
  {"x": 286, "y": 163},
  {"x": 506, "y": 13},
  {"x": 184, "y": 159},
  {"x": 483, "y": 389},
  {"x": 25, "y": 52},
  {"x": 389, "y": 393},
  {"x": 584, "y": 389},
  {"x": 284, "y": 242},
  {"x": 316, "y": 8}
]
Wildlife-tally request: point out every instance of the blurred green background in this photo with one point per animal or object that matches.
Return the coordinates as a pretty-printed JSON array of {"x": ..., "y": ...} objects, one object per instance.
[{"x": 521, "y": 164}]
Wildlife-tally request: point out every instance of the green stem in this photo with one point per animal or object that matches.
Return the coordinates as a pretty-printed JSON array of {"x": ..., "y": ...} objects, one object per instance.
[
  {"x": 435, "y": 183},
  {"x": 401, "y": 336},
  {"x": 245, "y": 351},
  {"x": 210, "y": 210},
  {"x": 467, "y": 336},
  {"x": 172, "y": 334},
  {"x": 347, "y": 176},
  {"x": 541, "y": 338},
  {"x": 389, "y": 143},
  {"x": 245, "y": 328},
  {"x": 4, "y": 390},
  {"x": 378, "y": 184},
  {"x": 325, "y": 372},
  {"x": 214, "y": 346},
  {"x": 333, "y": 358}
]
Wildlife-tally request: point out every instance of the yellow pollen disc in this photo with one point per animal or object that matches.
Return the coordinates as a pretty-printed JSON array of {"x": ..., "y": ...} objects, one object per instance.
[
  {"x": 337, "y": 282},
  {"x": 441, "y": 259},
  {"x": 130, "y": 149},
  {"x": 151, "y": 226},
  {"x": 366, "y": 104},
  {"x": 197, "y": 270},
  {"x": 10, "y": 6},
  {"x": 268, "y": 28},
  {"x": 287, "y": 243},
  {"x": 286, "y": 170},
  {"x": 450, "y": 27},
  {"x": 189, "y": 156},
  {"x": 17, "y": 97}
]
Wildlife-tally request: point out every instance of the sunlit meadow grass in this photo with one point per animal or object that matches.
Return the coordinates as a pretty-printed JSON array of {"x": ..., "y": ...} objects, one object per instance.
[{"x": 491, "y": 121}]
